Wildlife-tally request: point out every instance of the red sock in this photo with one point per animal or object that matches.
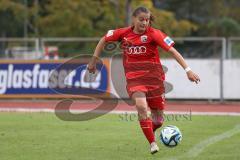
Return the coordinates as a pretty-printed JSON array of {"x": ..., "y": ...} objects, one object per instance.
[{"x": 147, "y": 128}]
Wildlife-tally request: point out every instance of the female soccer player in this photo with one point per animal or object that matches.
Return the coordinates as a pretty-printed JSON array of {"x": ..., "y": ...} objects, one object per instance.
[{"x": 143, "y": 70}]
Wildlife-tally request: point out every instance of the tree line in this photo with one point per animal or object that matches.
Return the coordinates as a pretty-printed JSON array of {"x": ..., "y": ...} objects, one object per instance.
[{"x": 92, "y": 18}]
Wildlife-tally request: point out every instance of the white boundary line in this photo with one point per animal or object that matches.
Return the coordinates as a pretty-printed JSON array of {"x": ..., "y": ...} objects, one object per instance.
[{"x": 200, "y": 147}]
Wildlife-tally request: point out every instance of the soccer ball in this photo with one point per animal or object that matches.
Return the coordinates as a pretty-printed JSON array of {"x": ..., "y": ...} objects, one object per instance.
[{"x": 170, "y": 136}]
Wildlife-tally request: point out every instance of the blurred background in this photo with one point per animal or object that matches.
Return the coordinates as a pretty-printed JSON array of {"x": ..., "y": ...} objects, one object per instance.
[
  {"x": 45, "y": 46},
  {"x": 207, "y": 33}
]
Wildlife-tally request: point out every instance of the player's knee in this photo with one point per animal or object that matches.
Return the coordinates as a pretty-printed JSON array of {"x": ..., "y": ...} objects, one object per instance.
[
  {"x": 142, "y": 115},
  {"x": 142, "y": 110}
]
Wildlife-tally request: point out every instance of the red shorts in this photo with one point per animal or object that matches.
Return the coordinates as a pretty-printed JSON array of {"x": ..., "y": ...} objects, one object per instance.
[
  {"x": 154, "y": 99},
  {"x": 147, "y": 78}
]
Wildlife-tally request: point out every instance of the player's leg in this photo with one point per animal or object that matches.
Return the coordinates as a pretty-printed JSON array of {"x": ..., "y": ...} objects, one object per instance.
[
  {"x": 141, "y": 104},
  {"x": 144, "y": 120},
  {"x": 157, "y": 104},
  {"x": 157, "y": 118}
]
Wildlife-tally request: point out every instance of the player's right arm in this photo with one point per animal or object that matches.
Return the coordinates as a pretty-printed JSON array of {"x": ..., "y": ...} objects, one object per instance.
[
  {"x": 112, "y": 35},
  {"x": 97, "y": 52}
]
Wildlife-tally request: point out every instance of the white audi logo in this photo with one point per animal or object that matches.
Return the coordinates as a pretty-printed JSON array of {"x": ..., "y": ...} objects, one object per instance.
[{"x": 136, "y": 50}]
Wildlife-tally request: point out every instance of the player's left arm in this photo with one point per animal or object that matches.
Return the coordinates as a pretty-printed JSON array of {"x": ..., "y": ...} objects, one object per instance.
[{"x": 191, "y": 75}]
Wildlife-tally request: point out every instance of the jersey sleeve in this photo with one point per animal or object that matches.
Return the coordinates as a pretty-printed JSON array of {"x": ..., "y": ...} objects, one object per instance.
[
  {"x": 164, "y": 41},
  {"x": 114, "y": 35}
]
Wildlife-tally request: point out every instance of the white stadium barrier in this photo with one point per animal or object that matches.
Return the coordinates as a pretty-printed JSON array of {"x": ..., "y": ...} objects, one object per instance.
[{"x": 208, "y": 88}]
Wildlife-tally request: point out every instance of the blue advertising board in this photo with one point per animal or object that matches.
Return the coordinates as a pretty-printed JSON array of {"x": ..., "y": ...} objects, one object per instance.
[{"x": 45, "y": 79}]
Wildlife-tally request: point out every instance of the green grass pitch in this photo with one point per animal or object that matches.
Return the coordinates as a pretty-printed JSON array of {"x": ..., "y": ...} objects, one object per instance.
[{"x": 42, "y": 136}]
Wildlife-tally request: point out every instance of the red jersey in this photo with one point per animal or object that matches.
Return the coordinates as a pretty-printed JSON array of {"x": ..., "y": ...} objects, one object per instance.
[
  {"x": 141, "y": 62},
  {"x": 140, "y": 47}
]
